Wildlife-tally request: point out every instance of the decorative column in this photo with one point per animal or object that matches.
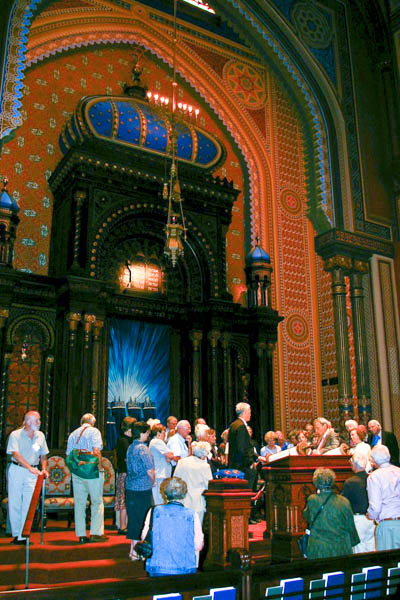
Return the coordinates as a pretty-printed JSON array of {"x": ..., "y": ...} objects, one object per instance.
[
  {"x": 86, "y": 369},
  {"x": 337, "y": 265},
  {"x": 196, "y": 337},
  {"x": 360, "y": 341},
  {"x": 73, "y": 322},
  {"x": 5, "y": 358},
  {"x": 261, "y": 390},
  {"x": 48, "y": 383},
  {"x": 97, "y": 328},
  {"x": 79, "y": 196},
  {"x": 226, "y": 346},
  {"x": 213, "y": 338}
]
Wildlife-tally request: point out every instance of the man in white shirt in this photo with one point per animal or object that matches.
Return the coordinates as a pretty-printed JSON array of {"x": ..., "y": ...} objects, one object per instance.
[
  {"x": 383, "y": 487},
  {"x": 180, "y": 443},
  {"x": 87, "y": 439},
  {"x": 27, "y": 447}
]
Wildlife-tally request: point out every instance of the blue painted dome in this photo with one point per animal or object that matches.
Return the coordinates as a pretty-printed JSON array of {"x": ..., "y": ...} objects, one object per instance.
[
  {"x": 8, "y": 203},
  {"x": 257, "y": 255},
  {"x": 135, "y": 123}
]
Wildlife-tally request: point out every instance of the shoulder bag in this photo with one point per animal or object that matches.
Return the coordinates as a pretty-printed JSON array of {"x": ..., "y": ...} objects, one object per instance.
[
  {"x": 144, "y": 548},
  {"x": 83, "y": 464},
  {"x": 302, "y": 541}
]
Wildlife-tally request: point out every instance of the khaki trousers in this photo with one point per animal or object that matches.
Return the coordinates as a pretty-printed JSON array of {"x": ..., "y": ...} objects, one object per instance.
[{"x": 82, "y": 489}]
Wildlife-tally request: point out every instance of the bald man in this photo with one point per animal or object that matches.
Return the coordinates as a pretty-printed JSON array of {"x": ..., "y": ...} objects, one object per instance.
[{"x": 28, "y": 449}]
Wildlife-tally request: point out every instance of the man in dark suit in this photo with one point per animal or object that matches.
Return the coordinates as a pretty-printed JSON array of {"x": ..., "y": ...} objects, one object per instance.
[
  {"x": 241, "y": 450},
  {"x": 387, "y": 438}
]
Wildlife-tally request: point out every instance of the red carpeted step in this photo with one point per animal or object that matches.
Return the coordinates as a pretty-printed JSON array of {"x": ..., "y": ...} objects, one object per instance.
[{"x": 62, "y": 572}]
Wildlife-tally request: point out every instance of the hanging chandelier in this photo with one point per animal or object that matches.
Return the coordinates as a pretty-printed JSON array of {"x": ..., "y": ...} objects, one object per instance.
[{"x": 175, "y": 228}]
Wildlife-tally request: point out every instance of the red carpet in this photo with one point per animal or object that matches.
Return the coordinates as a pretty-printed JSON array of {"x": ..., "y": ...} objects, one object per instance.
[{"x": 61, "y": 559}]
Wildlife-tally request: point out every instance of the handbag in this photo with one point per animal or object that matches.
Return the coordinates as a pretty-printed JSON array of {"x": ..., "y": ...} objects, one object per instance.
[
  {"x": 144, "y": 548},
  {"x": 81, "y": 463},
  {"x": 302, "y": 541}
]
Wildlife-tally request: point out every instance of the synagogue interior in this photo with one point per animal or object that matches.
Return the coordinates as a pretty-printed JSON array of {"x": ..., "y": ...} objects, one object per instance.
[{"x": 199, "y": 206}]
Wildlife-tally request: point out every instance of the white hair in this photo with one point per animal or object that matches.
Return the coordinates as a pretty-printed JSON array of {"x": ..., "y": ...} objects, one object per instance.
[
  {"x": 350, "y": 424},
  {"x": 201, "y": 449},
  {"x": 360, "y": 461},
  {"x": 200, "y": 430},
  {"x": 182, "y": 423},
  {"x": 323, "y": 421},
  {"x": 152, "y": 422},
  {"x": 380, "y": 454},
  {"x": 373, "y": 421},
  {"x": 88, "y": 418},
  {"x": 241, "y": 407}
]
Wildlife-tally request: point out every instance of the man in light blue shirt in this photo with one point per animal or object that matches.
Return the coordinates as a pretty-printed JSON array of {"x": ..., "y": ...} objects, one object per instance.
[{"x": 180, "y": 443}]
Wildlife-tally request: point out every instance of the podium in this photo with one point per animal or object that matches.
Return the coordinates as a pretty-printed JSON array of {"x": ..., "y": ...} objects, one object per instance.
[
  {"x": 289, "y": 484},
  {"x": 228, "y": 510}
]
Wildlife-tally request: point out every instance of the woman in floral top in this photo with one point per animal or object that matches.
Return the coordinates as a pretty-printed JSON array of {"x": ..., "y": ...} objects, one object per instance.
[{"x": 140, "y": 479}]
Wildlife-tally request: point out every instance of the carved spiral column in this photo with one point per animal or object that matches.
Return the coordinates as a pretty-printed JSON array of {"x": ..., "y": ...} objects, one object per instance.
[
  {"x": 73, "y": 322},
  {"x": 48, "y": 384},
  {"x": 341, "y": 335},
  {"x": 79, "y": 196},
  {"x": 228, "y": 386},
  {"x": 196, "y": 337},
  {"x": 97, "y": 328},
  {"x": 213, "y": 338},
  {"x": 360, "y": 341}
]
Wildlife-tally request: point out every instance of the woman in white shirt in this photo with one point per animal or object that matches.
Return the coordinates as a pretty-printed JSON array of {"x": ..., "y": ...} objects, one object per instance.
[
  {"x": 271, "y": 446},
  {"x": 162, "y": 457},
  {"x": 357, "y": 437}
]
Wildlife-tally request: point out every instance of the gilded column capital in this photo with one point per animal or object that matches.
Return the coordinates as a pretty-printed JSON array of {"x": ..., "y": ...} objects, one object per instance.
[
  {"x": 74, "y": 319},
  {"x": 196, "y": 337},
  {"x": 260, "y": 348},
  {"x": 213, "y": 337},
  {"x": 79, "y": 196},
  {"x": 338, "y": 261},
  {"x": 88, "y": 321},
  {"x": 360, "y": 266}
]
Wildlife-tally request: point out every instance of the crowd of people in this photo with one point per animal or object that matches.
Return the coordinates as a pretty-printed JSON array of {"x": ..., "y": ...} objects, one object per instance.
[{"x": 162, "y": 473}]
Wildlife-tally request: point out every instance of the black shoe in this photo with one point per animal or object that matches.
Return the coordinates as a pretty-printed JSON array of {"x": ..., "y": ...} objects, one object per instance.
[
  {"x": 84, "y": 540},
  {"x": 98, "y": 538},
  {"x": 252, "y": 522},
  {"x": 19, "y": 542},
  {"x": 122, "y": 531}
]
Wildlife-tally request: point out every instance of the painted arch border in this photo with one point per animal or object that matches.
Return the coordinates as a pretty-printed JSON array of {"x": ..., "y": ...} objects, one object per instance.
[{"x": 316, "y": 150}]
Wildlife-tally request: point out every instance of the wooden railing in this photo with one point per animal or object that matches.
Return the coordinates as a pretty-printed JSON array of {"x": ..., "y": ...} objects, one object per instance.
[{"x": 353, "y": 577}]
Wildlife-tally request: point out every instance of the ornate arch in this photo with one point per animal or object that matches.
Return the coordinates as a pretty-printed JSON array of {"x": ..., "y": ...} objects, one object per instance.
[
  {"x": 193, "y": 280},
  {"x": 229, "y": 110},
  {"x": 32, "y": 326}
]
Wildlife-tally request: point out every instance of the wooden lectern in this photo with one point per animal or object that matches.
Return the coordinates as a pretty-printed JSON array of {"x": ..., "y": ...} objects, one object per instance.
[
  {"x": 228, "y": 511},
  {"x": 289, "y": 484}
]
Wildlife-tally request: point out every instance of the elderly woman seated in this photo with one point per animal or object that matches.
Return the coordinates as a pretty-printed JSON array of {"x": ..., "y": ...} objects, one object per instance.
[
  {"x": 177, "y": 533},
  {"x": 332, "y": 529}
]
